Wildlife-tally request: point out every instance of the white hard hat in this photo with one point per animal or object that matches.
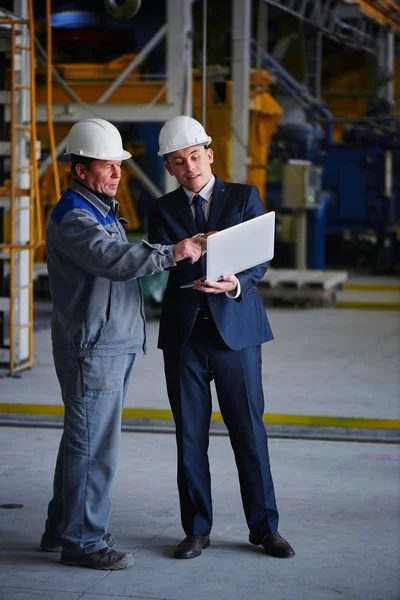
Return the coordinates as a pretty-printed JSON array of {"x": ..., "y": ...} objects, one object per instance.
[
  {"x": 181, "y": 132},
  {"x": 96, "y": 138}
]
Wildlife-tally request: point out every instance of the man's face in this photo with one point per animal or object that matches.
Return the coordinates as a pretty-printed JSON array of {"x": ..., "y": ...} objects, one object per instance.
[
  {"x": 103, "y": 176},
  {"x": 191, "y": 167}
]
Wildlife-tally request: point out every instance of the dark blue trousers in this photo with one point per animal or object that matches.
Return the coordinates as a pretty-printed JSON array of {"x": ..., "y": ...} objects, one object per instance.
[{"x": 237, "y": 375}]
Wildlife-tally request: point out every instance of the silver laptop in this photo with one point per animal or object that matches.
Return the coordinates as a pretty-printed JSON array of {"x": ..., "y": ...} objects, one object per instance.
[{"x": 240, "y": 247}]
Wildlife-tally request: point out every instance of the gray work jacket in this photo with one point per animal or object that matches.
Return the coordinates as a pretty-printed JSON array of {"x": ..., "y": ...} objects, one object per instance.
[{"x": 93, "y": 276}]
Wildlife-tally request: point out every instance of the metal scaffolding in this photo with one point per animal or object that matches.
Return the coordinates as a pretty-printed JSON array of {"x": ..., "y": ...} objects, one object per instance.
[
  {"x": 178, "y": 86},
  {"x": 341, "y": 21},
  {"x": 19, "y": 190}
]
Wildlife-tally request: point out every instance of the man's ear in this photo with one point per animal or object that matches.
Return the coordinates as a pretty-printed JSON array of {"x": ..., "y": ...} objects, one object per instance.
[
  {"x": 81, "y": 171},
  {"x": 210, "y": 155},
  {"x": 168, "y": 167}
]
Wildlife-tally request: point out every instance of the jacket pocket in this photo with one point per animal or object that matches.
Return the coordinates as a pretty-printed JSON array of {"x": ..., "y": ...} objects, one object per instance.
[
  {"x": 107, "y": 316},
  {"x": 249, "y": 291}
]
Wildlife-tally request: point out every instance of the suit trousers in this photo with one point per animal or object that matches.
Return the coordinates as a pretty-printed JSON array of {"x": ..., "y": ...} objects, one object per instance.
[
  {"x": 93, "y": 391},
  {"x": 237, "y": 375}
]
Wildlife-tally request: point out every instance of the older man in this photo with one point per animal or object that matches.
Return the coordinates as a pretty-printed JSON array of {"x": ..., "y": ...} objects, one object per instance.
[{"x": 98, "y": 327}]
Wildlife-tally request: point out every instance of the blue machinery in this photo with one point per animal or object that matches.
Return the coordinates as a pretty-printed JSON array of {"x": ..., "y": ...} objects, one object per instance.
[
  {"x": 359, "y": 201},
  {"x": 357, "y": 212}
]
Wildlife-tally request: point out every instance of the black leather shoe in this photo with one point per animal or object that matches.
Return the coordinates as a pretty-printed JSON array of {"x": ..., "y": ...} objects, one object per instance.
[
  {"x": 273, "y": 544},
  {"x": 192, "y": 546}
]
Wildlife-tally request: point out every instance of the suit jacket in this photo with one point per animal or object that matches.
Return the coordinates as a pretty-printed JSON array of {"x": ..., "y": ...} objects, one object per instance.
[{"x": 242, "y": 322}]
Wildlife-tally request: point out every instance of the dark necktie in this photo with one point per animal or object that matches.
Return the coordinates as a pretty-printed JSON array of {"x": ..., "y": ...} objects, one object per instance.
[
  {"x": 199, "y": 216},
  {"x": 201, "y": 225}
]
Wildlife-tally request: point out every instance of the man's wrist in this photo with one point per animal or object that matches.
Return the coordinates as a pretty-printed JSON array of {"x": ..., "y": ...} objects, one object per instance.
[{"x": 234, "y": 294}]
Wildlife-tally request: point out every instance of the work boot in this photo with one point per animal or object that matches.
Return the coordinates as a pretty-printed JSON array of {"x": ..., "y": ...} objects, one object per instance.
[{"x": 105, "y": 559}]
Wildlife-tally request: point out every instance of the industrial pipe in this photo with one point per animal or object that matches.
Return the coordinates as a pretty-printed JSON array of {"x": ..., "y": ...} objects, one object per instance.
[{"x": 122, "y": 10}]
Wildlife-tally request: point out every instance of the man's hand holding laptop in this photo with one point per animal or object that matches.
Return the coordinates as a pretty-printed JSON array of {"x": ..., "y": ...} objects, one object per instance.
[{"x": 228, "y": 284}]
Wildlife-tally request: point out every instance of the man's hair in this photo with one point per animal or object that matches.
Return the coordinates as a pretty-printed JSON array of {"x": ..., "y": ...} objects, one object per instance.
[{"x": 80, "y": 160}]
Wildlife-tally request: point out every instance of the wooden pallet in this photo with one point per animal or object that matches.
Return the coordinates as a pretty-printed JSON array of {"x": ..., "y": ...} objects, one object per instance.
[{"x": 303, "y": 287}]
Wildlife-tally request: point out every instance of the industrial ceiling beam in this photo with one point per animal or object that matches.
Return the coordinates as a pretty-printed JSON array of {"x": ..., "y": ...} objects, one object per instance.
[
  {"x": 117, "y": 113},
  {"x": 358, "y": 34}
]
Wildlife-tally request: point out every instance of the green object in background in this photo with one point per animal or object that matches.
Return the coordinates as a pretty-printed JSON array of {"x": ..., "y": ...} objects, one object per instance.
[{"x": 153, "y": 286}]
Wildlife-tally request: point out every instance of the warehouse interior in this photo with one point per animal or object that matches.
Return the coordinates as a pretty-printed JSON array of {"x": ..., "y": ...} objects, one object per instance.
[{"x": 300, "y": 98}]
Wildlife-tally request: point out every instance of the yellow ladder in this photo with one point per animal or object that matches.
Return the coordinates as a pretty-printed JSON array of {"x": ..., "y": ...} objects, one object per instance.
[{"x": 22, "y": 191}]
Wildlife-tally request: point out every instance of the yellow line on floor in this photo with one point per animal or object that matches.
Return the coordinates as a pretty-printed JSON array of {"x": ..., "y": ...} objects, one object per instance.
[
  {"x": 369, "y": 305},
  {"x": 166, "y": 415},
  {"x": 366, "y": 287},
  {"x": 48, "y": 410}
]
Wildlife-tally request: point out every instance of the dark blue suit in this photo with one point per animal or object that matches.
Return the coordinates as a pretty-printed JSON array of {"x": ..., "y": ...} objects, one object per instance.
[{"x": 225, "y": 348}]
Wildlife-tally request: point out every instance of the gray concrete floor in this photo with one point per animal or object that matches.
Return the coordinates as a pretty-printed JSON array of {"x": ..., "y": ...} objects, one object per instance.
[
  {"x": 339, "y": 506},
  {"x": 339, "y": 502},
  {"x": 327, "y": 362}
]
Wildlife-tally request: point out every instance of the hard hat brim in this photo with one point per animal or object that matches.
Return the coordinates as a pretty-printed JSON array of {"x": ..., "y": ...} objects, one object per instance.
[
  {"x": 205, "y": 144},
  {"x": 124, "y": 156}
]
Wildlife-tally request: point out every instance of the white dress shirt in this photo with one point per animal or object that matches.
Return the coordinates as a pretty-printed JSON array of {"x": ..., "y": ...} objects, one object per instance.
[{"x": 206, "y": 194}]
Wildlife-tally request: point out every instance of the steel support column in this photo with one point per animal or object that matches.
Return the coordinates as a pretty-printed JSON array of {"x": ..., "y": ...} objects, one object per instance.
[
  {"x": 179, "y": 64},
  {"x": 385, "y": 65},
  {"x": 385, "y": 91},
  {"x": 241, "y": 35},
  {"x": 262, "y": 31},
  {"x": 179, "y": 55},
  {"x": 312, "y": 62}
]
